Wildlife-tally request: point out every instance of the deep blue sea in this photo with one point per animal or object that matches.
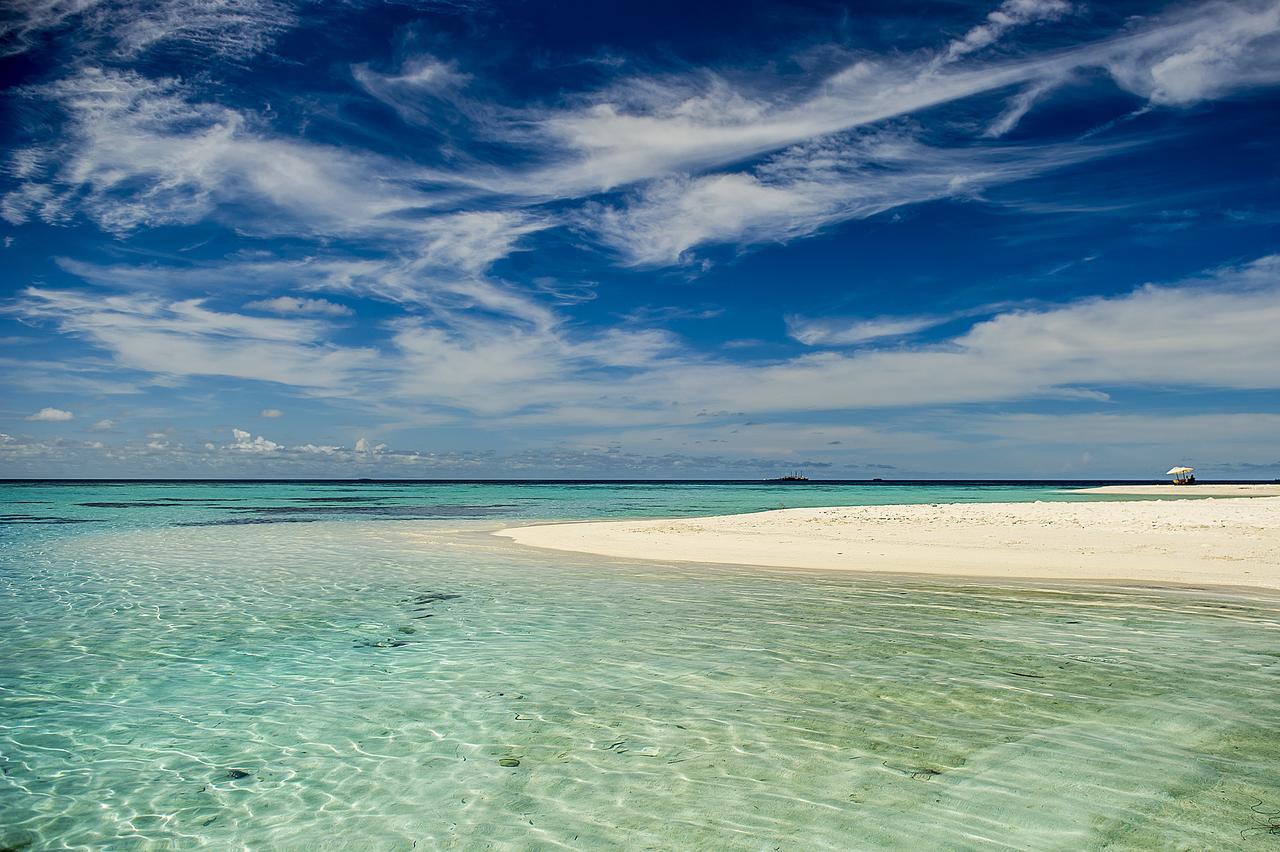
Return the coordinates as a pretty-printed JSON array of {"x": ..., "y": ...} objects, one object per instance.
[{"x": 364, "y": 665}]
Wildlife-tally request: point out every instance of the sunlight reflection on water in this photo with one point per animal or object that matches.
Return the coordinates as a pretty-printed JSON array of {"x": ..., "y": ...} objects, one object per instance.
[{"x": 357, "y": 684}]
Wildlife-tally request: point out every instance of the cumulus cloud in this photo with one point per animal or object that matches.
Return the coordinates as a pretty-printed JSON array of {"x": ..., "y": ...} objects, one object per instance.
[
  {"x": 1205, "y": 54},
  {"x": 244, "y": 457},
  {"x": 246, "y": 443},
  {"x": 51, "y": 415}
]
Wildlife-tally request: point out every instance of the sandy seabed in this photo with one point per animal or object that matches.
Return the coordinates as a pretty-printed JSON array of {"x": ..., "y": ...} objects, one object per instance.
[{"x": 1217, "y": 542}]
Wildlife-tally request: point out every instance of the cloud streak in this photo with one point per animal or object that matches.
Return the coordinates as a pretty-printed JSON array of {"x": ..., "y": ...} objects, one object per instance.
[
  {"x": 184, "y": 339},
  {"x": 1211, "y": 332}
]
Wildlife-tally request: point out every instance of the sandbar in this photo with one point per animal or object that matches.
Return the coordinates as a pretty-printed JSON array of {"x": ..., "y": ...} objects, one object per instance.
[
  {"x": 1260, "y": 489},
  {"x": 1227, "y": 542}
]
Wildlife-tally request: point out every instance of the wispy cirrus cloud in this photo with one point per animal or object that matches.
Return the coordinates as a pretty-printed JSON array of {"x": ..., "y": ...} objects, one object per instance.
[
  {"x": 229, "y": 28},
  {"x": 1206, "y": 333},
  {"x": 643, "y": 128},
  {"x": 444, "y": 270},
  {"x": 829, "y": 331},
  {"x": 808, "y": 187},
  {"x": 411, "y": 89},
  {"x": 137, "y": 152},
  {"x": 655, "y": 168},
  {"x": 185, "y": 339},
  {"x": 1008, "y": 16},
  {"x": 1211, "y": 332},
  {"x": 300, "y": 306}
]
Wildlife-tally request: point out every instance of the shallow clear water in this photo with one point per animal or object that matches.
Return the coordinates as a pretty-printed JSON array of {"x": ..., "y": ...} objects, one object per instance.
[{"x": 365, "y": 679}]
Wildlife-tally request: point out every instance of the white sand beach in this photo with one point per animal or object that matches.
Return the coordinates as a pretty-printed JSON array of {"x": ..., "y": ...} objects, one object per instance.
[
  {"x": 1223, "y": 542},
  {"x": 1260, "y": 489}
]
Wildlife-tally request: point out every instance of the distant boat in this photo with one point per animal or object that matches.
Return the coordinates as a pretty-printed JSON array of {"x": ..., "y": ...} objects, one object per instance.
[{"x": 795, "y": 476}]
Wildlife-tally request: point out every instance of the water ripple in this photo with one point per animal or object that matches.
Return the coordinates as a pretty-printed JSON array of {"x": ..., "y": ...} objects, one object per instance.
[{"x": 357, "y": 684}]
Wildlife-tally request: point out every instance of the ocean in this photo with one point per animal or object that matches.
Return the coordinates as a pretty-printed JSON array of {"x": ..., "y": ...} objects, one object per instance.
[{"x": 362, "y": 665}]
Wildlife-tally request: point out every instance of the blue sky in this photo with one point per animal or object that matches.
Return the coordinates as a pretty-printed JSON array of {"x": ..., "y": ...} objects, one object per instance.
[{"x": 1035, "y": 238}]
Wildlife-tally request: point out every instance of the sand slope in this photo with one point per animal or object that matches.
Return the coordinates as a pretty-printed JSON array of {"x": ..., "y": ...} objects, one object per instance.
[{"x": 1197, "y": 542}]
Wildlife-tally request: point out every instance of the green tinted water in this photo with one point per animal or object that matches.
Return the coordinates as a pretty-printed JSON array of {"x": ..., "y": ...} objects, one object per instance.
[{"x": 284, "y": 674}]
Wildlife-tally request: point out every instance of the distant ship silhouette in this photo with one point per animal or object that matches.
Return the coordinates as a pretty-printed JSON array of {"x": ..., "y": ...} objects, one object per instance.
[{"x": 795, "y": 476}]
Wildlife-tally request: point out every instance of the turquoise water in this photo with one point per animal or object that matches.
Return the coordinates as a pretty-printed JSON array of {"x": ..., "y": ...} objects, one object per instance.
[{"x": 365, "y": 666}]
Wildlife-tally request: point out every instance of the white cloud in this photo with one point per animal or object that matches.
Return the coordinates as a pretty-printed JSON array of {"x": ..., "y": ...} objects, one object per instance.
[
  {"x": 183, "y": 338},
  {"x": 1010, "y": 14},
  {"x": 1019, "y": 105},
  {"x": 229, "y": 28},
  {"x": 806, "y": 188},
  {"x": 51, "y": 415},
  {"x": 443, "y": 267},
  {"x": 26, "y": 18},
  {"x": 642, "y": 129},
  {"x": 142, "y": 153},
  {"x": 106, "y": 424},
  {"x": 1214, "y": 332},
  {"x": 410, "y": 91},
  {"x": 296, "y": 305},
  {"x": 271, "y": 412},
  {"x": 246, "y": 443},
  {"x": 364, "y": 447},
  {"x": 850, "y": 332},
  {"x": 1207, "y": 52}
]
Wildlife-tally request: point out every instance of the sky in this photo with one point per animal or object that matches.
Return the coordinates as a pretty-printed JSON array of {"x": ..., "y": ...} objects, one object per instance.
[{"x": 442, "y": 238}]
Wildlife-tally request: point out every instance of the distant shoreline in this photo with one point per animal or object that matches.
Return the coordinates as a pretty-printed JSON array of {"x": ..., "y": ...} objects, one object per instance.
[
  {"x": 1259, "y": 489},
  {"x": 1227, "y": 542},
  {"x": 889, "y": 483}
]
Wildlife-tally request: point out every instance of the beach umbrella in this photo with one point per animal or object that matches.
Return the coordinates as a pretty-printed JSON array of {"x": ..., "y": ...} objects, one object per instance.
[{"x": 1171, "y": 471}]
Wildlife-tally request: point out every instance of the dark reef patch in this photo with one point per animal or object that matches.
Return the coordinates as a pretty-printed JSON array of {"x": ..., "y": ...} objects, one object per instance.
[
  {"x": 305, "y": 514},
  {"x": 365, "y": 499},
  {"x": 430, "y": 597},
  {"x": 45, "y": 519},
  {"x": 239, "y": 522},
  {"x": 439, "y": 510}
]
